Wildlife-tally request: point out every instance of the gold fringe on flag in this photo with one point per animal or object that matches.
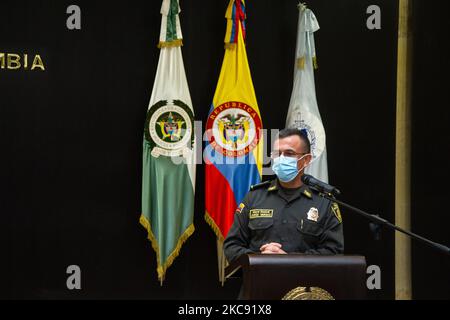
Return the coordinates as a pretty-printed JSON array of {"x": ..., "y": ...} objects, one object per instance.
[
  {"x": 221, "y": 259},
  {"x": 214, "y": 226},
  {"x": 301, "y": 63},
  {"x": 170, "y": 44},
  {"x": 162, "y": 268},
  {"x": 230, "y": 46}
]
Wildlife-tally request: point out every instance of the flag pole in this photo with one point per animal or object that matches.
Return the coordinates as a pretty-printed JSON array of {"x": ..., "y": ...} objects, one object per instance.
[
  {"x": 219, "y": 258},
  {"x": 224, "y": 265},
  {"x": 403, "y": 289}
]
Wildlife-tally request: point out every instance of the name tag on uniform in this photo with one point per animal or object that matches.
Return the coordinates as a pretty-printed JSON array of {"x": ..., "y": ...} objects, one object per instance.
[{"x": 261, "y": 213}]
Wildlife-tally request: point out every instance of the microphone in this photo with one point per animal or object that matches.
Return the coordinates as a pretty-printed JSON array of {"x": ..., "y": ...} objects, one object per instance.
[{"x": 319, "y": 185}]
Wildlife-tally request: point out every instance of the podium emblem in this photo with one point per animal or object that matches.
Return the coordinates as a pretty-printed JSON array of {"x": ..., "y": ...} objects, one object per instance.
[{"x": 308, "y": 293}]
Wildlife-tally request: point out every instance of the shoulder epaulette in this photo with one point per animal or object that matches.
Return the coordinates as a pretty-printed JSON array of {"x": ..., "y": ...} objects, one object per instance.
[{"x": 260, "y": 185}]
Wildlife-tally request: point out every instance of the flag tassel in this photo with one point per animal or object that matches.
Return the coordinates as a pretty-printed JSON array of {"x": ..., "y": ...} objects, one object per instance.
[
  {"x": 161, "y": 269},
  {"x": 210, "y": 221},
  {"x": 170, "y": 44}
]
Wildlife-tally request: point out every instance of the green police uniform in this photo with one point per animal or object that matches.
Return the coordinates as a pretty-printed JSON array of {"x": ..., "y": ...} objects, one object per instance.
[{"x": 299, "y": 219}]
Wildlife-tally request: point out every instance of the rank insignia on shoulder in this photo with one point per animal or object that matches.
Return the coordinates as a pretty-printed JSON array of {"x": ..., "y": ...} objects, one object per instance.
[
  {"x": 260, "y": 185},
  {"x": 336, "y": 211},
  {"x": 307, "y": 193},
  {"x": 239, "y": 209},
  {"x": 313, "y": 214}
]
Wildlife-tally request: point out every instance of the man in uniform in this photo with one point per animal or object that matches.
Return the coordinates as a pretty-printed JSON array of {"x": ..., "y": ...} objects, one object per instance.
[{"x": 284, "y": 215}]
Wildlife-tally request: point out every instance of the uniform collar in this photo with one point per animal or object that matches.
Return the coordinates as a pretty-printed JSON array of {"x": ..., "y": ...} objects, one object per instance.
[
  {"x": 274, "y": 186},
  {"x": 304, "y": 189}
]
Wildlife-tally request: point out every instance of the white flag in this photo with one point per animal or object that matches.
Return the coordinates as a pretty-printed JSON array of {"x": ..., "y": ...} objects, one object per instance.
[{"x": 303, "y": 110}]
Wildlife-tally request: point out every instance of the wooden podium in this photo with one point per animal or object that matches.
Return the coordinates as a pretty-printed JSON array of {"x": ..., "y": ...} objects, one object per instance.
[{"x": 301, "y": 277}]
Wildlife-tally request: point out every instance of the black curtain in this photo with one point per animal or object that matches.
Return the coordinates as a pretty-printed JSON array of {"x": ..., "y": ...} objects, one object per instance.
[{"x": 71, "y": 138}]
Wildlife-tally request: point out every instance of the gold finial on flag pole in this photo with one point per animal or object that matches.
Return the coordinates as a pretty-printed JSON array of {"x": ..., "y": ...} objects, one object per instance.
[{"x": 302, "y": 6}]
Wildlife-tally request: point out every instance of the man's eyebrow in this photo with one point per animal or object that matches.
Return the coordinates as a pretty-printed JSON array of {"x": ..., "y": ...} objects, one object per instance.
[
  {"x": 290, "y": 149},
  {"x": 284, "y": 150}
]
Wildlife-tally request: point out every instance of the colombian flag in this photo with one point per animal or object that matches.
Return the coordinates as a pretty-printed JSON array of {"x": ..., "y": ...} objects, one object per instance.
[{"x": 234, "y": 147}]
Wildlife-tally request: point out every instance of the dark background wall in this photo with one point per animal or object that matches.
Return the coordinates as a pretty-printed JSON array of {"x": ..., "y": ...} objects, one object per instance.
[
  {"x": 70, "y": 138},
  {"x": 430, "y": 148}
]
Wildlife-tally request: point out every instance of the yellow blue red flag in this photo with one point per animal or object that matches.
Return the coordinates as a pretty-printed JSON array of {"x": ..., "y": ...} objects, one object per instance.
[{"x": 234, "y": 147}]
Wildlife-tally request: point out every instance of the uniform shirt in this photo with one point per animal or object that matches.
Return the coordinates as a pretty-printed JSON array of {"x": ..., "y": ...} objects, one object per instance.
[{"x": 299, "y": 219}]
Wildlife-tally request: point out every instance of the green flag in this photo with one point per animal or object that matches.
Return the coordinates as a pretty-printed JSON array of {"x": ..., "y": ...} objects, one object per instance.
[{"x": 168, "y": 173}]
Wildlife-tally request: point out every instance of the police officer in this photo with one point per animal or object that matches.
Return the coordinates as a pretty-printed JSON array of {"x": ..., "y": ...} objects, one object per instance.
[{"x": 284, "y": 216}]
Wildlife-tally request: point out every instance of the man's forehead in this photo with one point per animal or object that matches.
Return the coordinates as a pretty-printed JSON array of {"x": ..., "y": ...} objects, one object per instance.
[
  {"x": 283, "y": 147},
  {"x": 291, "y": 142}
]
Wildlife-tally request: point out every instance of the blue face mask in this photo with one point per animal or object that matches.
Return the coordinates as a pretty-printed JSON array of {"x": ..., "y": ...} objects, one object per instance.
[{"x": 286, "y": 168}]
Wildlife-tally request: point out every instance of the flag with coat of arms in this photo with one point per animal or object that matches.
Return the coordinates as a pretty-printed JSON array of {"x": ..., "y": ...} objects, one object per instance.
[
  {"x": 168, "y": 171},
  {"x": 234, "y": 147}
]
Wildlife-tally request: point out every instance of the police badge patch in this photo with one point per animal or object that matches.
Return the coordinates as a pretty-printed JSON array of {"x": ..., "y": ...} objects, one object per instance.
[
  {"x": 313, "y": 214},
  {"x": 169, "y": 128}
]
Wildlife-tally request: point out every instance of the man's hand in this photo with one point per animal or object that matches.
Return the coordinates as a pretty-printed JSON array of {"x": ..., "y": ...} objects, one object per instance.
[{"x": 272, "y": 248}]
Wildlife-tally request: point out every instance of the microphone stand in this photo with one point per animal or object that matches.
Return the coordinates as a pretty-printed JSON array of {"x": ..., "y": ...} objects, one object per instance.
[{"x": 384, "y": 222}]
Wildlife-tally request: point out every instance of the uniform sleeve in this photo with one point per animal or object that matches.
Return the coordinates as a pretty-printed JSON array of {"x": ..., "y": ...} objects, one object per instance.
[
  {"x": 238, "y": 238},
  {"x": 332, "y": 239}
]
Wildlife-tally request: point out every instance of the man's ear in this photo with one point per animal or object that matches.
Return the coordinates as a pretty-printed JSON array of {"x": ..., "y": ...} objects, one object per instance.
[{"x": 308, "y": 159}]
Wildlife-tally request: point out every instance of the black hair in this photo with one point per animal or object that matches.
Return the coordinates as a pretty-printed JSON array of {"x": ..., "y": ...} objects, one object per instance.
[{"x": 302, "y": 134}]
